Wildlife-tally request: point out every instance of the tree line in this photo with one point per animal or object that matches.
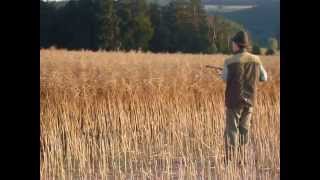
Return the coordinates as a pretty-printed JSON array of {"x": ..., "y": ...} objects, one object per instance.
[{"x": 180, "y": 26}]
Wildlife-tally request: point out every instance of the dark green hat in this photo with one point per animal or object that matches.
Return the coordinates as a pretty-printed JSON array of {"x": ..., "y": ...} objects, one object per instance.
[{"x": 241, "y": 38}]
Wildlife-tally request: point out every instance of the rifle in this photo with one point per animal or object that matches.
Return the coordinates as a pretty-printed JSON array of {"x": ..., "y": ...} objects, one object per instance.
[{"x": 214, "y": 67}]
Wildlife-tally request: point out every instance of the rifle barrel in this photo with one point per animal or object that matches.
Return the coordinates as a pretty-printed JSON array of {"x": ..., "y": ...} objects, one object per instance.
[{"x": 214, "y": 67}]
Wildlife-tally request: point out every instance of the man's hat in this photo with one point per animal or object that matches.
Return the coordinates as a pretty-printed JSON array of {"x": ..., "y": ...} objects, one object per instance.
[{"x": 241, "y": 38}]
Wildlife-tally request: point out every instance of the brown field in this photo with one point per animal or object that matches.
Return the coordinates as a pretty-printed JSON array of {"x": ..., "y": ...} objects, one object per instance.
[{"x": 147, "y": 116}]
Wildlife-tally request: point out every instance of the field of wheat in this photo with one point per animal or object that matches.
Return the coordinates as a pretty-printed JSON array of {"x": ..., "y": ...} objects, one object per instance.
[{"x": 116, "y": 115}]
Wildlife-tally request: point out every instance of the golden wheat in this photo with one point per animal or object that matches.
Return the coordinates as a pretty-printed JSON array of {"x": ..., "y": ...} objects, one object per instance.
[{"x": 134, "y": 115}]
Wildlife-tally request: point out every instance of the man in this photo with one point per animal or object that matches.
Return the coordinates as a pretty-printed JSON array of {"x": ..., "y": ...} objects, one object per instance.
[{"x": 241, "y": 72}]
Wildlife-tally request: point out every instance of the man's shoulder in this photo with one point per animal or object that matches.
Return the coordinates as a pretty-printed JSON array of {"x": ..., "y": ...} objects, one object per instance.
[
  {"x": 232, "y": 59},
  {"x": 243, "y": 58},
  {"x": 250, "y": 58},
  {"x": 253, "y": 56}
]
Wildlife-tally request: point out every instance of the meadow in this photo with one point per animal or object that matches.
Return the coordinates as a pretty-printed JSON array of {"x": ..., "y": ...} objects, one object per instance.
[{"x": 116, "y": 115}]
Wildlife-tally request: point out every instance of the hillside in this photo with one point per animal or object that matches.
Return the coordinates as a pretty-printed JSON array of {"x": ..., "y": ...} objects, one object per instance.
[
  {"x": 236, "y": 2},
  {"x": 59, "y": 4},
  {"x": 263, "y": 21},
  {"x": 161, "y": 2},
  {"x": 223, "y": 2}
]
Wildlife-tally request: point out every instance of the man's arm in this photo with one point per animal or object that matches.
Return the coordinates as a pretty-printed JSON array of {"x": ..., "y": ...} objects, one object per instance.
[
  {"x": 224, "y": 74},
  {"x": 263, "y": 74}
]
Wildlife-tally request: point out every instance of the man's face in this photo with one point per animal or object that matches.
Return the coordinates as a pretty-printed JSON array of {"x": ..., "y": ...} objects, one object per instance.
[{"x": 235, "y": 47}]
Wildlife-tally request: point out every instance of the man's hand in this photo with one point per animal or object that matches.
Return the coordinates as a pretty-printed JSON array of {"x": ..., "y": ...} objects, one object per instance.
[{"x": 217, "y": 69}]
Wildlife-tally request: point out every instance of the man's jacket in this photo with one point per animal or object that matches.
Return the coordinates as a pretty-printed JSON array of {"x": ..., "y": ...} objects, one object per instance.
[{"x": 242, "y": 72}]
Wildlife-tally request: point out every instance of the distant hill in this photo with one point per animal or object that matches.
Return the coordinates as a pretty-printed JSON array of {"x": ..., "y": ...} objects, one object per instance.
[
  {"x": 222, "y": 2},
  {"x": 236, "y": 2},
  {"x": 263, "y": 21},
  {"x": 59, "y": 4},
  {"x": 160, "y": 2}
]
